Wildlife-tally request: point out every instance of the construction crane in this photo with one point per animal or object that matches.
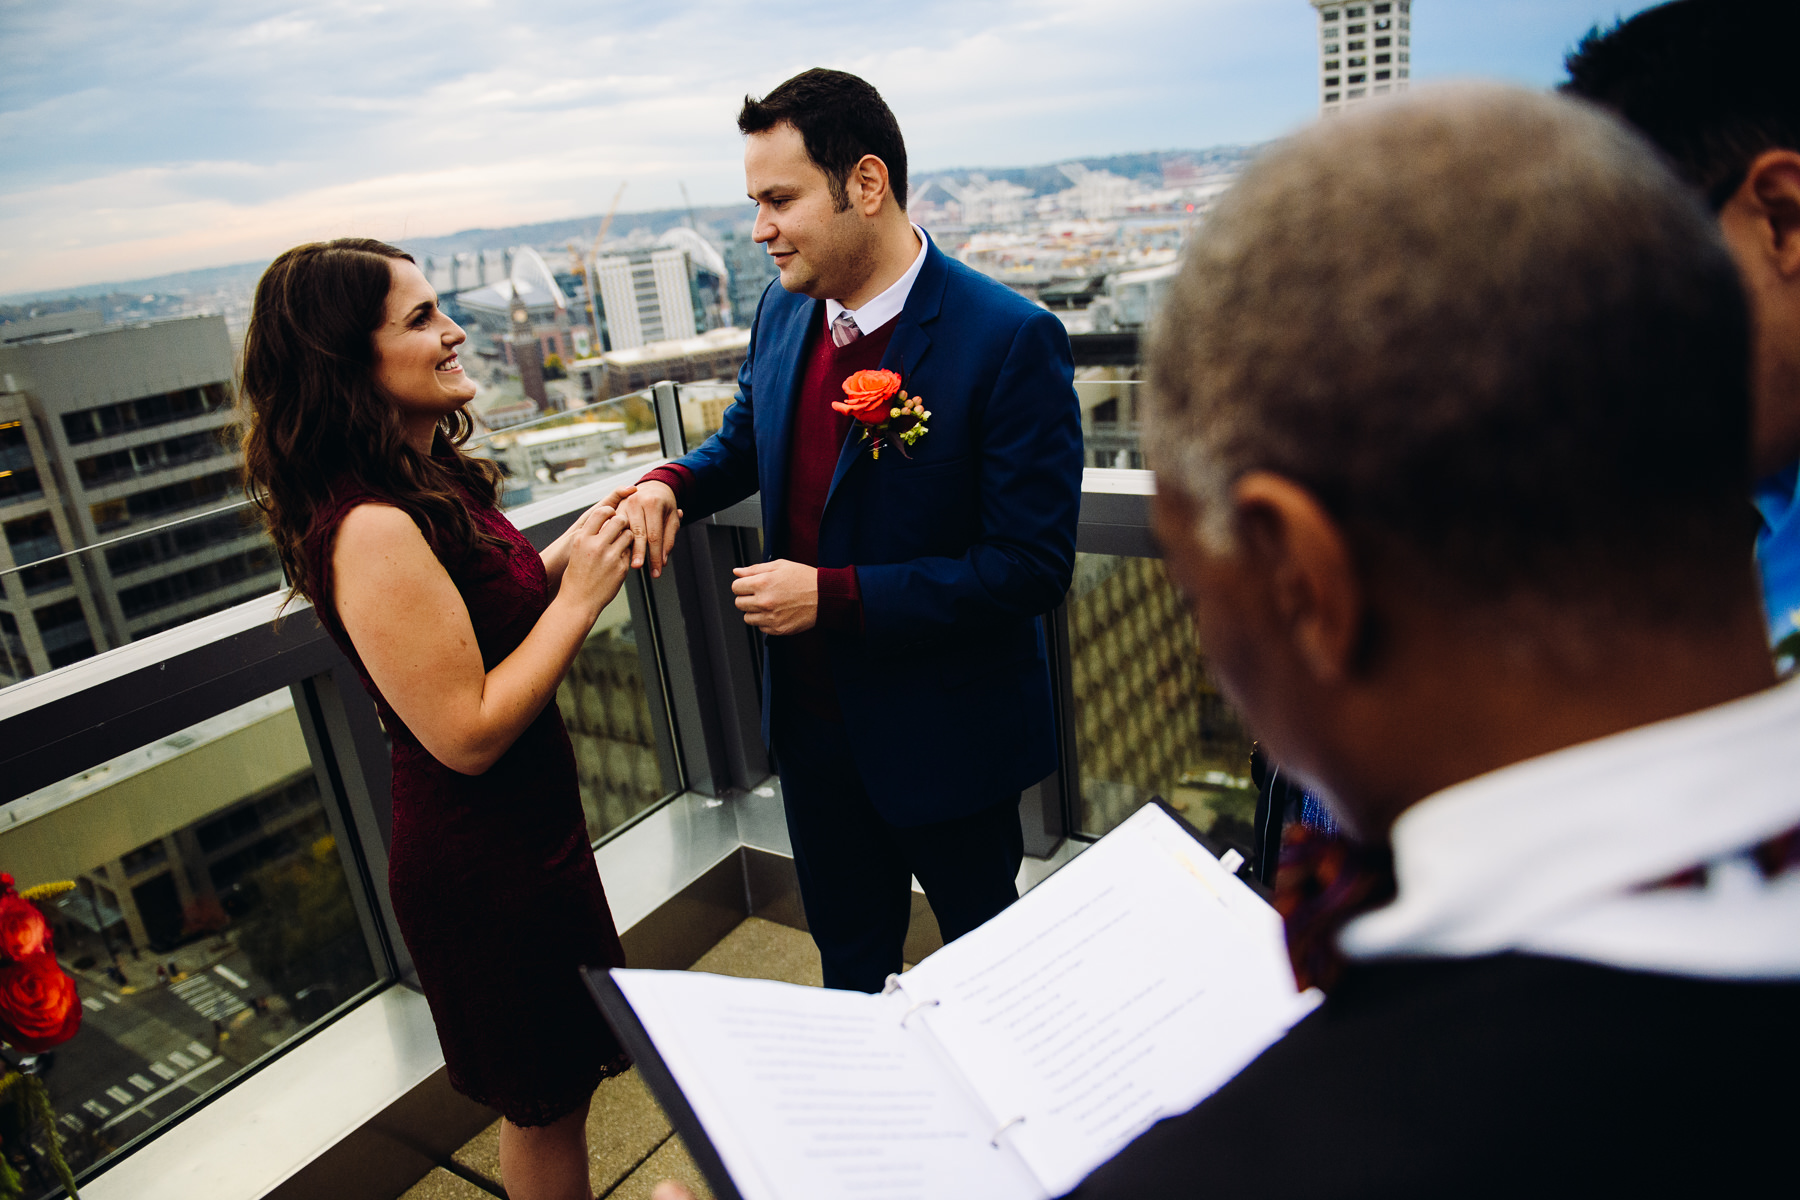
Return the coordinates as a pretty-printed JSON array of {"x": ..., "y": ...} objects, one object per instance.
[
  {"x": 689, "y": 205},
  {"x": 606, "y": 222}
]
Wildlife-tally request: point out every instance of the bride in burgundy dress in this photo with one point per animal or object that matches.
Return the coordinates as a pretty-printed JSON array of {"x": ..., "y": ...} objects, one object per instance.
[{"x": 461, "y": 632}]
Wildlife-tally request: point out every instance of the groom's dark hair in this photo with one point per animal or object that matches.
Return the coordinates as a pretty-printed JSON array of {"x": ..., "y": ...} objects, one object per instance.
[{"x": 840, "y": 118}]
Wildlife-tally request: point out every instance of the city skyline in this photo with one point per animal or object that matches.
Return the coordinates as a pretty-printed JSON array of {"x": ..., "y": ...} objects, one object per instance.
[{"x": 148, "y": 141}]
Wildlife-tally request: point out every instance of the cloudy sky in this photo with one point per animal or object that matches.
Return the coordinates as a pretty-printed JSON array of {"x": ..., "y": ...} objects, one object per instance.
[{"x": 140, "y": 138}]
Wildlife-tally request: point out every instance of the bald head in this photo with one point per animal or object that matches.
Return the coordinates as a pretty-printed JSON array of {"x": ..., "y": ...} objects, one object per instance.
[{"x": 1493, "y": 336}]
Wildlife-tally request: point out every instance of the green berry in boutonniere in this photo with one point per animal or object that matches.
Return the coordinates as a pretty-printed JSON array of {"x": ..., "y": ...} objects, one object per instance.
[{"x": 887, "y": 414}]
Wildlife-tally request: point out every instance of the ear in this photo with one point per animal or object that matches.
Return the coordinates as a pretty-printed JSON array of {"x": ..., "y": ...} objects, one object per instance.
[
  {"x": 867, "y": 185},
  {"x": 1310, "y": 575},
  {"x": 1770, "y": 197}
]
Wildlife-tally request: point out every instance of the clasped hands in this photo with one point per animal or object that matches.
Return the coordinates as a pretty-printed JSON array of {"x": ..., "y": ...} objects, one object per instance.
[{"x": 780, "y": 597}]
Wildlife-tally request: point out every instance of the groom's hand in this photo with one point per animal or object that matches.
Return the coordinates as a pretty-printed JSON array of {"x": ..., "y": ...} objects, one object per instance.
[
  {"x": 779, "y": 597},
  {"x": 654, "y": 520}
]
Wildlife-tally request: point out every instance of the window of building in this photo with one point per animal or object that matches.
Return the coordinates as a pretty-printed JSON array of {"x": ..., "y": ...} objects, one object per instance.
[
  {"x": 1332, "y": 80},
  {"x": 1331, "y": 15},
  {"x": 1353, "y": 30},
  {"x": 48, "y": 577},
  {"x": 173, "y": 497},
  {"x": 102, "y": 469},
  {"x": 1380, "y": 25},
  {"x": 1355, "y": 11},
  {"x": 1333, "y": 64},
  {"x": 1331, "y": 97},
  {"x": 1383, "y": 74},
  {"x": 1359, "y": 60},
  {"x": 144, "y": 412},
  {"x": 1331, "y": 48},
  {"x": 64, "y": 630},
  {"x": 19, "y": 483},
  {"x": 197, "y": 581},
  {"x": 15, "y": 451},
  {"x": 1383, "y": 58},
  {"x": 183, "y": 539},
  {"x": 1380, "y": 42},
  {"x": 1381, "y": 8},
  {"x": 1403, "y": 72},
  {"x": 31, "y": 538},
  {"x": 1355, "y": 93},
  {"x": 1358, "y": 79}
]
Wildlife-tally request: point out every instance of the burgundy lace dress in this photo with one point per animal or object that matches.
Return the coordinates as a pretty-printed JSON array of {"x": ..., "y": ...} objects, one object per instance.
[{"x": 492, "y": 879}]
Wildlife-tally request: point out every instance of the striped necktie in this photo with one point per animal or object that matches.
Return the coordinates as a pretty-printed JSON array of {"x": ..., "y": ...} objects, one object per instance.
[{"x": 844, "y": 330}]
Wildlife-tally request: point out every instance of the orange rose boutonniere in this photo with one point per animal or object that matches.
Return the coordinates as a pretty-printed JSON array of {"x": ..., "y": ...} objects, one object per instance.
[{"x": 884, "y": 410}]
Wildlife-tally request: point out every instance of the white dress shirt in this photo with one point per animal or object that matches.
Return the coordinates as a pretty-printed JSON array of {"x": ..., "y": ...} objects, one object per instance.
[
  {"x": 1552, "y": 855},
  {"x": 887, "y": 306}
]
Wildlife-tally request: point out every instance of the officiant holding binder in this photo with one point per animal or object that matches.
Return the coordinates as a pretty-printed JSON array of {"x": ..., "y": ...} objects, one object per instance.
[{"x": 912, "y": 428}]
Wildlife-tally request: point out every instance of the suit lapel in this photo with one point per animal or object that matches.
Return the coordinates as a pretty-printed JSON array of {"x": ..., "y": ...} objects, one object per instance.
[
  {"x": 775, "y": 436},
  {"x": 905, "y": 349}
]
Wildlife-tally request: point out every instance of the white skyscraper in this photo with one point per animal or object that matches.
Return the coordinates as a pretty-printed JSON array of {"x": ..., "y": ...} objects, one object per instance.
[{"x": 1365, "y": 49}]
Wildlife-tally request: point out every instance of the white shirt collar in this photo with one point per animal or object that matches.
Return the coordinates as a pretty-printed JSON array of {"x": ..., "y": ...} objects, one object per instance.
[
  {"x": 887, "y": 306},
  {"x": 1551, "y": 855}
]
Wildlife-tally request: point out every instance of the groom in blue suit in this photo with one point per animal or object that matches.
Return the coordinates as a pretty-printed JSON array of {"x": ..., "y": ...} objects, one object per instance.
[{"x": 906, "y": 690}]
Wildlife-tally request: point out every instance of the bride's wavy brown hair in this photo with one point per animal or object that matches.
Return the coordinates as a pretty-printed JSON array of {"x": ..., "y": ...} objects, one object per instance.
[{"x": 314, "y": 423}]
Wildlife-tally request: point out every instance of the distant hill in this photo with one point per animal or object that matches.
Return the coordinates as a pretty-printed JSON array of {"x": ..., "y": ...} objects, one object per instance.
[
  {"x": 1048, "y": 178},
  {"x": 241, "y": 277}
]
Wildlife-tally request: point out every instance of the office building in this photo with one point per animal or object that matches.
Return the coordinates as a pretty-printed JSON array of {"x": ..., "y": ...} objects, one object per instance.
[
  {"x": 751, "y": 272},
  {"x": 108, "y": 433},
  {"x": 713, "y": 355},
  {"x": 1365, "y": 50},
  {"x": 671, "y": 290}
]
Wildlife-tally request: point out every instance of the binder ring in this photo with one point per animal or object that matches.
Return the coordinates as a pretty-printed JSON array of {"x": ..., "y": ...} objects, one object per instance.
[
  {"x": 995, "y": 1140},
  {"x": 915, "y": 1008}
]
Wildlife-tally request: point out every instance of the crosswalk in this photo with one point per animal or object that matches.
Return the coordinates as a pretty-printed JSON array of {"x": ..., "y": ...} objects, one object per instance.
[
  {"x": 201, "y": 992},
  {"x": 211, "y": 999},
  {"x": 172, "y": 1071}
]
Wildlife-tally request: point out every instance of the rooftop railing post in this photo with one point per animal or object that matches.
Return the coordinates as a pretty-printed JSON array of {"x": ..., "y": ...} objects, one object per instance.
[
  {"x": 693, "y": 699},
  {"x": 352, "y": 761},
  {"x": 712, "y": 551},
  {"x": 658, "y": 684},
  {"x": 666, "y": 397}
]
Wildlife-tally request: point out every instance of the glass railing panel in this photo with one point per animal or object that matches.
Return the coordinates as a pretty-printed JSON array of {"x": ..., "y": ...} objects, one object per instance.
[
  {"x": 544, "y": 456},
  {"x": 607, "y": 710},
  {"x": 1148, "y": 719},
  {"x": 210, "y": 922},
  {"x": 703, "y": 408},
  {"x": 1109, "y": 417},
  {"x": 65, "y": 604}
]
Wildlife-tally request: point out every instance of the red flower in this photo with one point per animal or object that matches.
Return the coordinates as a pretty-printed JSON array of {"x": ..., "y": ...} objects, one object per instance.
[
  {"x": 38, "y": 1005},
  {"x": 23, "y": 931},
  {"x": 867, "y": 396}
]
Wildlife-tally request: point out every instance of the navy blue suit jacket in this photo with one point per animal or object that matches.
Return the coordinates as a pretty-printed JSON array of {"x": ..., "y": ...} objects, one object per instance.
[{"x": 958, "y": 550}]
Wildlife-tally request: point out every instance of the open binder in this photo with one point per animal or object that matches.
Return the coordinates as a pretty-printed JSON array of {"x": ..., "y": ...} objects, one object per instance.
[{"x": 1125, "y": 988}]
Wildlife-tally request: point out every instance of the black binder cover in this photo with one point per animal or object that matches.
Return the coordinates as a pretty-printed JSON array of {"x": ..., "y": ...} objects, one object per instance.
[{"x": 631, "y": 1032}]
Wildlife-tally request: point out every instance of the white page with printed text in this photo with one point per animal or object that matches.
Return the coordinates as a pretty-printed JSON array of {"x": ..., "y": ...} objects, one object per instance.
[
  {"x": 811, "y": 1093},
  {"x": 1127, "y": 987}
]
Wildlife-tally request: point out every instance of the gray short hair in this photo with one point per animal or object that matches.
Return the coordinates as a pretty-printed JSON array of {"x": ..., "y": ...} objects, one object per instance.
[{"x": 1489, "y": 330}]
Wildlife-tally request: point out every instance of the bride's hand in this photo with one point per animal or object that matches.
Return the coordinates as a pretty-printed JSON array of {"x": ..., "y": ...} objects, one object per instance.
[{"x": 599, "y": 557}]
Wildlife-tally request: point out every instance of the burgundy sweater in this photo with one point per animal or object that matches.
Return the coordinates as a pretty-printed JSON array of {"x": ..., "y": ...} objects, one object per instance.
[{"x": 818, "y": 437}]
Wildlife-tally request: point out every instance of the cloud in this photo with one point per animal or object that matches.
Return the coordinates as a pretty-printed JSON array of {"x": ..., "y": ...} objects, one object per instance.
[{"x": 143, "y": 137}]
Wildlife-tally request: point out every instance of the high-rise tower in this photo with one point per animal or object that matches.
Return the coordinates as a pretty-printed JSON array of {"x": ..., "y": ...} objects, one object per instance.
[{"x": 1365, "y": 49}]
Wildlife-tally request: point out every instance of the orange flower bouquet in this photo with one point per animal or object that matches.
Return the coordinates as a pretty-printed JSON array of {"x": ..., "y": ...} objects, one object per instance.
[
  {"x": 39, "y": 1009},
  {"x": 888, "y": 416}
]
